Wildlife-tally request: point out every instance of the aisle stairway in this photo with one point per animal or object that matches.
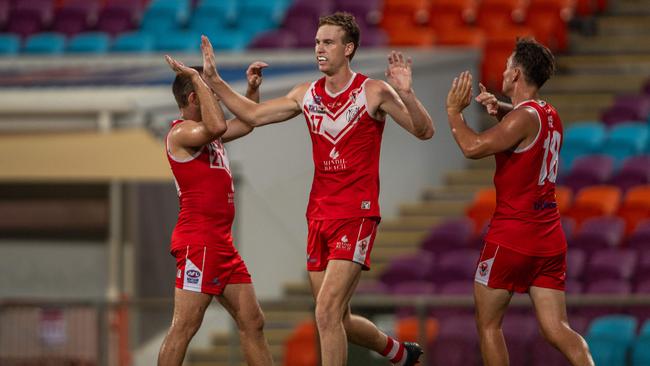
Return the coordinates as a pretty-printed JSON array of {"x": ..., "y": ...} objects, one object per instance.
[{"x": 615, "y": 60}]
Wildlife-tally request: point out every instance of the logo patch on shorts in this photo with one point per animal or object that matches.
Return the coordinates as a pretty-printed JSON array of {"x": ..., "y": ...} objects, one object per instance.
[
  {"x": 365, "y": 205},
  {"x": 483, "y": 271},
  {"x": 193, "y": 276}
]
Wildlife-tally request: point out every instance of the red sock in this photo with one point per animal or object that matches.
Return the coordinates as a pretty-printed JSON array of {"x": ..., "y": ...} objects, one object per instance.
[{"x": 394, "y": 351}]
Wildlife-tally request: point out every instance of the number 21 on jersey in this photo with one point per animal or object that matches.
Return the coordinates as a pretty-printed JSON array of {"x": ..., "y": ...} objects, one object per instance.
[{"x": 549, "y": 167}]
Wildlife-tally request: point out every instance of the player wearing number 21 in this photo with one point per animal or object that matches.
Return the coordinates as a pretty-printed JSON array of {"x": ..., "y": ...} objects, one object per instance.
[{"x": 525, "y": 248}]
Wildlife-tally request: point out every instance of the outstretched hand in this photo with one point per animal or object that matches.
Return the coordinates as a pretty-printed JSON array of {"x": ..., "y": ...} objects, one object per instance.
[
  {"x": 398, "y": 72},
  {"x": 460, "y": 93},
  {"x": 209, "y": 61},
  {"x": 180, "y": 68},
  {"x": 488, "y": 100},
  {"x": 254, "y": 74}
]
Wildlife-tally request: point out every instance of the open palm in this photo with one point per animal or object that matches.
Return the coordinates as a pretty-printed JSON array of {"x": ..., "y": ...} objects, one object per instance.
[{"x": 398, "y": 73}]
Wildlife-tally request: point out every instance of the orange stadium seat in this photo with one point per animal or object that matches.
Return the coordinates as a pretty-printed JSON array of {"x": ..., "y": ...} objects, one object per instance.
[
  {"x": 413, "y": 37},
  {"x": 301, "y": 348},
  {"x": 482, "y": 208},
  {"x": 407, "y": 329},
  {"x": 549, "y": 20},
  {"x": 500, "y": 13},
  {"x": 635, "y": 207},
  {"x": 448, "y": 14},
  {"x": 601, "y": 200},
  {"x": 499, "y": 44},
  {"x": 461, "y": 36},
  {"x": 563, "y": 197},
  {"x": 403, "y": 14}
]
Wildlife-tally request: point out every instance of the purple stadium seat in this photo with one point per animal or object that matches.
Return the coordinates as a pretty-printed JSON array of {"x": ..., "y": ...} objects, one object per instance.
[
  {"x": 642, "y": 287},
  {"x": 599, "y": 232},
  {"x": 461, "y": 287},
  {"x": 573, "y": 287},
  {"x": 451, "y": 234},
  {"x": 576, "y": 260},
  {"x": 119, "y": 16},
  {"x": 519, "y": 332},
  {"x": 627, "y": 108},
  {"x": 29, "y": 17},
  {"x": 615, "y": 264},
  {"x": 635, "y": 171},
  {"x": 373, "y": 37},
  {"x": 413, "y": 267},
  {"x": 76, "y": 16},
  {"x": 568, "y": 226},
  {"x": 5, "y": 10},
  {"x": 640, "y": 237},
  {"x": 605, "y": 287},
  {"x": 366, "y": 12},
  {"x": 457, "y": 342},
  {"x": 275, "y": 39},
  {"x": 645, "y": 89},
  {"x": 643, "y": 267},
  {"x": 455, "y": 265},
  {"x": 413, "y": 288},
  {"x": 302, "y": 20},
  {"x": 588, "y": 171}
]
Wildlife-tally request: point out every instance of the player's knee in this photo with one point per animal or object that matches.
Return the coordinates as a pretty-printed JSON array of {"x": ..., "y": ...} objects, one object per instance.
[
  {"x": 185, "y": 327},
  {"x": 554, "y": 332},
  {"x": 252, "y": 323},
  {"x": 328, "y": 314}
]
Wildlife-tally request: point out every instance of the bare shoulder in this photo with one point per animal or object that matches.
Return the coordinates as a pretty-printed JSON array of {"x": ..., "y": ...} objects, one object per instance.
[
  {"x": 378, "y": 87},
  {"x": 183, "y": 127},
  {"x": 298, "y": 91},
  {"x": 521, "y": 118}
]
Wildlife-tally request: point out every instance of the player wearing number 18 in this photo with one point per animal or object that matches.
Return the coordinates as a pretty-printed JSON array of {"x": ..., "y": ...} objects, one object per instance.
[{"x": 525, "y": 248}]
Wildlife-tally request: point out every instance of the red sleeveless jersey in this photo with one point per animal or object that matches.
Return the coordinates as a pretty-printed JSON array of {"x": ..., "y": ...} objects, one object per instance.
[
  {"x": 346, "y": 142},
  {"x": 527, "y": 219},
  {"x": 206, "y": 197}
]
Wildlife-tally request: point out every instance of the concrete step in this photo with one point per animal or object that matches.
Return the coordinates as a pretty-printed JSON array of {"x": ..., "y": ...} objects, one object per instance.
[
  {"x": 387, "y": 254},
  {"x": 629, "y": 7},
  {"x": 486, "y": 163},
  {"x": 616, "y": 63},
  {"x": 452, "y": 192},
  {"x": 609, "y": 44},
  {"x": 398, "y": 237},
  {"x": 438, "y": 208},
  {"x": 595, "y": 83},
  {"x": 473, "y": 177},
  {"x": 415, "y": 223},
  {"x": 630, "y": 25}
]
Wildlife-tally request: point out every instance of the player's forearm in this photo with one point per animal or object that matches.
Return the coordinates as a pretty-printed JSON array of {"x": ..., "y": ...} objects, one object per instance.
[
  {"x": 503, "y": 109},
  {"x": 421, "y": 120},
  {"x": 253, "y": 94},
  {"x": 466, "y": 138},
  {"x": 242, "y": 107},
  {"x": 211, "y": 113}
]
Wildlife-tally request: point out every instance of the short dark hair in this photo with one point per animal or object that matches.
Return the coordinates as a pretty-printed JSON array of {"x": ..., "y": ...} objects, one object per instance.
[
  {"x": 182, "y": 87},
  {"x": 535, "y": 59},
  {"x": 348, "y": 23}
]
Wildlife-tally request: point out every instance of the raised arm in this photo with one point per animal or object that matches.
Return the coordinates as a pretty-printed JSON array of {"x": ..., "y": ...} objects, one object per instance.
[
  {"x": 399, "y": 100},
  {"x": 493, "y": 106},
  {"x": 514, "y": 128},
  {"x": 212, "y": 125},
  {"x": 237, "y": 128},
  {"x": 252, "y": 113}
]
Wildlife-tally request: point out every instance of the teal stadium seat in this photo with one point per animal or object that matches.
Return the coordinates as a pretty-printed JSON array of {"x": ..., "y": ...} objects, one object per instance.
[
  {"x": 229, "y": 40},
  {"x": 213, "y": 18},
  {"x": 134, "y": 42},
  {"x": 625, "y": 140},
  {"x": 610, "y": 338},
  {"x": 581, "y": 139},
  {"x": 9, "y": 44},
  {"x": 91, "y": 42},
  {"x": 49, "y": 43},
  {"x": 179, "y": 8},
  {"x": 162, "y": 17},
  {"x": 189, "y": 42},
  {"x": 261, "y": 15},
  {"x": 641, "y": 347}
]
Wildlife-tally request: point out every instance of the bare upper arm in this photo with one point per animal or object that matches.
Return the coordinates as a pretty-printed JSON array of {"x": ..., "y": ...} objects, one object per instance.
[
  {"x": 282, "y": 108},
  {"x": 517, "y": 129},
  {"x": 187, "y": 137}
]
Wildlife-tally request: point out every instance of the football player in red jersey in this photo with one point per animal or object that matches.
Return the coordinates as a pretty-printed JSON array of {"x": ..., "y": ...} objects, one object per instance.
[
  {"x": 525, "y": 247},
  {"x": 208, "y": 265},
  {"x": 345, "y": 113}
]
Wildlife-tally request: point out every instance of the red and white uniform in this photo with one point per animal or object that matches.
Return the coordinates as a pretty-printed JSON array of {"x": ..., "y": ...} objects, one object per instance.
[
  {"x": 527, "y": 220},
  {"x": 202, "y": 239},
  {"x": 346, "y": 142}
]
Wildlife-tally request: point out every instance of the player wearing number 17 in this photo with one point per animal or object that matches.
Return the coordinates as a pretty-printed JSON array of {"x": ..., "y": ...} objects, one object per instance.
[{"x": 525, "y": 248}]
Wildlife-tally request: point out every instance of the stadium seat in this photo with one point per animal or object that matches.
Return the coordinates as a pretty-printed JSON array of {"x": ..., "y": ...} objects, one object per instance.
[
  {"x": 634, "y": 172},
  {"x": 180, "y": 9},
  {"x": 635, "y": 207},
  {"x": 568, "y": 226},
  {"x": 519, "y": 331},
  {"x": 641, "y": 351},
  {"x": 454, "y": 233},
  {"x": 45, "y": 43},
  {"x": 446, "y": 15},
  {"x": 610, "y": 338},
  {"x": 580, "y": 139},
  {"x": 413, "y": 267},
  {"x": 260, "y": 16},
  {"x": 460, "y": 287},
  {"x": 482, "y": 208},
  {"x": 643, "y": 267},
  {"x": 413, "y": 288},
  {"x": 180, "y": 42},
  {"x": 5, "y": 10},
  {"x": 499, "y": 44},
  {"x": 600, "y": 200},
  {"x": 374, "y": 37},
  {"x": 302, "y": 20},
  {"x": 543, "y": 354},
  {"x": 213, "y": 17},
  {"x": 412, "y": 37},
  {"x": 136, "y": 42},
  {"x": 564, "y": 198},
  {"x": 454, "y": 265},
  {"x": 405, "y": 22},
  {"x": 500, "y": 13},
  {"x": 588, "y": 171},
  {"x": 408, "y": 329},
  {"x": 274, "y": 39},
  {"x": 549, "y": 20},
  {"x": 29, "y": 17},
  {"x": 91, "y": 42},
  {"x": 625, "y": 140},
  {"x": 230, "y": 40},
  {"x": 612, "y": 263},
  {"x": 366, "y": 12},
  {"x": 628, "y": 108},
  {"x": 9, "y": 44},
  {"x": 461, "y": 36},
  {"x": 599, "y": 233},
  {"x": 301, "y": 349},
  {"x": 372, "y": 287},
  {"x": 75, "y": 17},
  {"x": 639, "y": 238},
  {"x": 457, "y": 342},
  {"x": 160, "y": 21},
  {"x": 576, "y": 260},
  {"x": 119, "y": 16}
]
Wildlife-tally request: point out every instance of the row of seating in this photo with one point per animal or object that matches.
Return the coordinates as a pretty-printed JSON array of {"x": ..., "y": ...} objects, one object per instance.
[{"x": 589, "y": 202}]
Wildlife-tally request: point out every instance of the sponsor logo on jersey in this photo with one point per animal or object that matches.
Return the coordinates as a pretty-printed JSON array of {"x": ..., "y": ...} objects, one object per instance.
[
  {"x": 343, "y": 243},
  {"x": 351, "y": 113},
  {"x": 544, "y": 205},
  {"x": 334, "y": 154},
  {"x": 316, "y": 108},
  {"x": 365, "y": 205}
]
